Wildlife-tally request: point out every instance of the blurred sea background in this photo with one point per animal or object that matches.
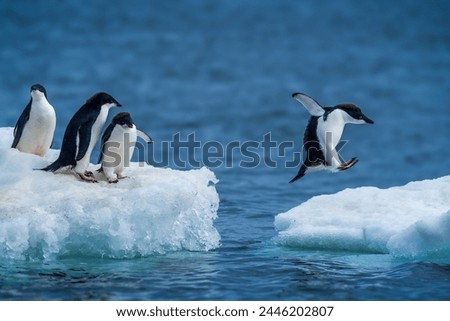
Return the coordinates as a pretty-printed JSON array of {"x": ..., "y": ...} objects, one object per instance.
[{"x": 225, "y": 70}]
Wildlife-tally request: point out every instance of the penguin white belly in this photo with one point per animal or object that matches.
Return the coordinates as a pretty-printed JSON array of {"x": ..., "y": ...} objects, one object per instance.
[
  {"x": 329, "y": 133},
  {"x": 37, "y": 135},
  {"x": 96, "y": 131},
  {"x": 118, "y": 151}
]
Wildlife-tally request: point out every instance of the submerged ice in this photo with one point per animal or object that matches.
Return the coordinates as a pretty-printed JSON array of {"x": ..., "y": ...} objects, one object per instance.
[
  {"x": 154, "y": 210},
  {"x": 411, "y": 221}
]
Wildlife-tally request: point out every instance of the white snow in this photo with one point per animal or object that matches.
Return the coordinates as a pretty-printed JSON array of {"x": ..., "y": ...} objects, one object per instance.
[
  {"x": 411, "y": 221},
  {"x": 154, "y": 210}
]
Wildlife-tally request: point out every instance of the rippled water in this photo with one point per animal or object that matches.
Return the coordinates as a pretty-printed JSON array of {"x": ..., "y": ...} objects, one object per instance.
[{"x": 225, "y": 70}]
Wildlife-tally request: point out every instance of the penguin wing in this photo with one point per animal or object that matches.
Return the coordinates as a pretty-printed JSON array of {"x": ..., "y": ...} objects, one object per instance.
[
  {"x": 105, "y": 138},
  {"x": 300, "y": 174},
  {"x": 84, "y": 135},
  {"x": 313, "y": 106},
  {"x": 144, "y": 136},
  {"x": 20, "y": 125}
]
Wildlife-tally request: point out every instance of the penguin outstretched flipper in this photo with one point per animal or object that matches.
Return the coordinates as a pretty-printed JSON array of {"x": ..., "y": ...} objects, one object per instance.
[
  {"x": 314, "y": 108},
  {"x": 144, "y": 136},
  {"x": 300, "y": 174}
]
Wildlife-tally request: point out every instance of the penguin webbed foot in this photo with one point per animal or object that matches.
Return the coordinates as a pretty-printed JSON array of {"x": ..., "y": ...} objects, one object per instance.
[
  {"x": 121, "y": 177},
  {"x": 115, "y": 180},
  {"x": 89, "y": 174},
  {"x": 348, "y": 164},
  {"x": 88, "y": 177}
]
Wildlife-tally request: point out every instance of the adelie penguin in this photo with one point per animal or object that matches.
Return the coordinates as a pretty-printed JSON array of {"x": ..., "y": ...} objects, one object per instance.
[
  {"x": 81, "y": 135},
  {"x": 118, "y": 143},
  {"x": 323, "y": 133},
  {"x": 35, "y": 127}
]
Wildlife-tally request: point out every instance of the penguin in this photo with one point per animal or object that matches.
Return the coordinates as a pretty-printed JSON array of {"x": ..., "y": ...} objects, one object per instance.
[
  {"x": 118, "y": 142},
  {"x": 35, "y": 127},
  {"x": 81, "y": 135},
  {"x": 323, "y": 133}
]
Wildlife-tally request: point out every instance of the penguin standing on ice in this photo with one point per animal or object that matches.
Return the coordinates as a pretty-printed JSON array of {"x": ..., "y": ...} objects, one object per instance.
[
  {"x": 35, "y": 127},
  {"x": 323, "y": 133},
  {"x": 118, "y": 143},
  {"x": 81, "y": 135}
]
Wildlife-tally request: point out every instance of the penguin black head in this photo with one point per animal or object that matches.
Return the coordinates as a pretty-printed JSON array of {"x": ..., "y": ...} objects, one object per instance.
[
  {"x": 355, "y": 114},
  {"x": 38, "y": 88},
  {"x": 102, "y": 98},
  {"x": 123, "y": 119}
]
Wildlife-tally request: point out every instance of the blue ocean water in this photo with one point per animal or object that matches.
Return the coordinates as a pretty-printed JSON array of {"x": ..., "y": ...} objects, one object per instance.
[{"x": 225, "y": 70}]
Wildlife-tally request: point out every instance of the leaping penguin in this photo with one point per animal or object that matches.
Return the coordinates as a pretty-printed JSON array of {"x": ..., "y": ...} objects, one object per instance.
[
  {"x": 118, "y": 143},
  {"x": 35, "y": 127},
  {"x": 81, "y": 135},
  {"x": 323, "y": 133}
]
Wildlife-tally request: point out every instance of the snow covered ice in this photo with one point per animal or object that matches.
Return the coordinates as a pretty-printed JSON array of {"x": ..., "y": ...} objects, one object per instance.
[
  {"x": 411, "y": 221},
  {"x": 154, "y": 210}
]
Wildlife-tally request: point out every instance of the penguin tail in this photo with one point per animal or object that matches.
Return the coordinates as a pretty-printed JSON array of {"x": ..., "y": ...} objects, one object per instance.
[
  {"x": 53, "y": 167},
  {"x": 300, "y": 174}
]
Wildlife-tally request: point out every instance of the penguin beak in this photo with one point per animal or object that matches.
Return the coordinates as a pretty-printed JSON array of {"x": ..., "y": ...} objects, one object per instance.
[
  {"x": 128, "y": 123},
  {"x": 368, "y": 120},
  {"x": 116, "y": 103}
]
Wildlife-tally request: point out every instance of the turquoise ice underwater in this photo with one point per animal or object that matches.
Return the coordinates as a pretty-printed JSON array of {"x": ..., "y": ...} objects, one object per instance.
[{"x": 226, "y": 71}]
